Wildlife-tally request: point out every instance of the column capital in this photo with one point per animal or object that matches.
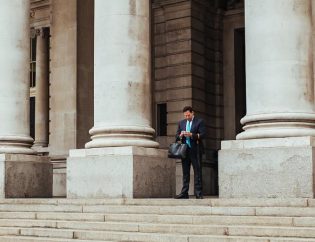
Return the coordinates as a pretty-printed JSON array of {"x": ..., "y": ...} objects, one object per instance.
[{"x": 41, "y": 31}]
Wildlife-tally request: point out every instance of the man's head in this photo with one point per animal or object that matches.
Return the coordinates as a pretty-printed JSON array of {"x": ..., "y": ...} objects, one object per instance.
[{"x": 188, "y": 113}]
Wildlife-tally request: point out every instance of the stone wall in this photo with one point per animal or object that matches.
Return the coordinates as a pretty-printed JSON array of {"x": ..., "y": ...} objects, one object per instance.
[
  {"x": 40, "y": 14},
  {"x": 172, "y": 60},
  {"x": 71, "y": 77},
  {"x": 85, "y": 71},
  {"x": 188, "y": 71},
  {"x": 207, "y": 22},
  {"x": 63, "y": 77}
]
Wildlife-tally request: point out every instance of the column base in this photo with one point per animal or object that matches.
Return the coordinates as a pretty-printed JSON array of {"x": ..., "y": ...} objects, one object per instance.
[
  {"x": 277, "y": 125},
  {"x": 267, "y": 168},
  {"x": 118, "y": 136},
  {"x": 116, "y": 172},
  {"x": 15, "y": 144},
  {"x": 25, "y": 176}
]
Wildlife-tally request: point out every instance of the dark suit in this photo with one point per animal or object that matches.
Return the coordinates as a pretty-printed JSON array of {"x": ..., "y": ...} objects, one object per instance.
[{"x": 194, "y": 153}]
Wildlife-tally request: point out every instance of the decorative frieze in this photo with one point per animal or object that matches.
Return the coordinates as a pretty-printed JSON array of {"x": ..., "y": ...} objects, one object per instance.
[{"x": 40, "y": 13}]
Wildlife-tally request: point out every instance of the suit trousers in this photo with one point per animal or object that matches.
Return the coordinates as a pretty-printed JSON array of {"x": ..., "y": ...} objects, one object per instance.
[{"x": 192, "y": 158}]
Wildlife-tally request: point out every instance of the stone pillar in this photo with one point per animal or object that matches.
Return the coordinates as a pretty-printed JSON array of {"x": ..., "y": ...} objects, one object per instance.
[
  {"x": 14, "y": 80},
  {"x": 269, "y": 159},
  {"x": 42, "y": 87},
  {"x": 22, "y": 173},
  {"x": 122, "y": 159},
  {"x": 122, "y": 88},
  {"x": 279, "y": 69}
]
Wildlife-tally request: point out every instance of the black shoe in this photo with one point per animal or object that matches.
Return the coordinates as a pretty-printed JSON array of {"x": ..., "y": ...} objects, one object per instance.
[
  {"x": 182, "y": 196},
  {"x": 199, "y": 197}
]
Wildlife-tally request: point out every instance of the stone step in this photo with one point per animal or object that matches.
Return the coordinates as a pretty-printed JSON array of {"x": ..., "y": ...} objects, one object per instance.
[
  {"x": 66, "y": 229},
  {"x": 156, "y": 218},
  {"x": 191, "y": 239},
  {"x": 37, "y": 239},
  {"x": 214, "y": 202},
  {"x": 142, "y": 236},
  {"x": 53, "y": 216},
  {"x": 164, "y": 210},
  {"x": 170, "y": 219},
  {"x": 203, "y": 210},
  {"x": 213, "y": 219}
]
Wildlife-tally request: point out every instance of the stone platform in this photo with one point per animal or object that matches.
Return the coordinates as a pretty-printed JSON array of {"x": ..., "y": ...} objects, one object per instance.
[
  {"x": 267, "y": 168},
  {"x": 25, "y": 176},
  {"x": 131, "y": 172}
]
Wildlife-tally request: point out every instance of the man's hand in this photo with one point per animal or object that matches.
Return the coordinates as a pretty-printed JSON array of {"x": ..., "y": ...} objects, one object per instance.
[{"x": 187, "y": 134}]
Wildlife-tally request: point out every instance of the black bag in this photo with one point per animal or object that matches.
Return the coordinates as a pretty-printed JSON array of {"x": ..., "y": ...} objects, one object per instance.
[{"x": 177, "y": 150}]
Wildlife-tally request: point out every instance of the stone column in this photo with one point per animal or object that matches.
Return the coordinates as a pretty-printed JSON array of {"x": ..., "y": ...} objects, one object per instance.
[
  {"x": 14, "y": 80},
  {"x": 269, "y": 160},
  {"x": 22, "y": 173},
  {"x": 42, "y": 85},
  {"x": 279, "y": 69},
  {"x": 121, "y": 160},
  {"x": 122, "y": 88}
]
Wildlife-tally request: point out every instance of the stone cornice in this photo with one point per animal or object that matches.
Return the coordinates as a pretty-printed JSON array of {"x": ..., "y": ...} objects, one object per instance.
[
  {"x": 157, "y": 3},
  {"x": 35, "y": 4},
  {"x": 40, "y": 13}
]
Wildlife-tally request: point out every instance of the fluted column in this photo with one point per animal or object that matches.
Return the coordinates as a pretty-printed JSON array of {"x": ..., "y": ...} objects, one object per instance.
[
  {"x": 122, "y": 93},
  {"x": 42, "y": 85},
  {"x": 279, "y": 69},
  {"x": 14, "y": 78}
]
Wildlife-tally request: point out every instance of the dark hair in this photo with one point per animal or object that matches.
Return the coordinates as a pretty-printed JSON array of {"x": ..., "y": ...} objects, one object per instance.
[{"x": 188, "y": 108}]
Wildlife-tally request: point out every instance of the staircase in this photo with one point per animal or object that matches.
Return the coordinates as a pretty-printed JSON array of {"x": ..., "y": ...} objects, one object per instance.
[{"x": 261, "y": 220}]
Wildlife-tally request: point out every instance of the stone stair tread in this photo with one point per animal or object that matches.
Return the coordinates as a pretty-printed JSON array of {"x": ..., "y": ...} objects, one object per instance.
[
  {"x": 199, "y": 210},
  {"x": 66, "y": 229},
  {"x": 56, "y": 224},
  {"x": 202, "y": 219},
  {"x": 63, "y": 220},
  {"x": 191, "y": 239},
  {"x": 160, "y": 218},
  {"x": 261, "y": 202},
  {"x": 45, "y": 239},
  {"x": 191, "y": 219},
  {"x": 173, "y": 237},
  {"x": 166, "y": 210}
]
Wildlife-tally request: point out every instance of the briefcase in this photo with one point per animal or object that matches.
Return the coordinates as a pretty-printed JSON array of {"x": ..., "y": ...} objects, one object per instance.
[{"x": 177, "y": 150}]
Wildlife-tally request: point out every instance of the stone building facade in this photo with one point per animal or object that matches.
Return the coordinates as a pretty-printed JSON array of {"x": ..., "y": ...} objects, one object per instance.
[
  {"x": 187, "y": 69},
  {"x": 173, "y": 53}
]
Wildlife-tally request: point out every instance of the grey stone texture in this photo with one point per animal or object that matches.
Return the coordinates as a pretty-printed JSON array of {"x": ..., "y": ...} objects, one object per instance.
[
  {"x": 132, "y": 172},
  {"x": 25, "y": 176},
  {"x": 267, "y": 168}
]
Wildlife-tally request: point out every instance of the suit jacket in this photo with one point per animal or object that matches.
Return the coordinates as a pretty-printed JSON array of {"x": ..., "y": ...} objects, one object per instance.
[{"x": 198, "y": 127}]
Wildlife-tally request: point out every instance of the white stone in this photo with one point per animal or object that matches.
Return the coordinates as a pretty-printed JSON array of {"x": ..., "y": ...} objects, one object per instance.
[
  {"x": 120, "y": 172},
  {"x": 59, "y": 181},
  {"x": 14, "y": 80},
  {"x": 122, "y": 83},
  {"x": 281, "y": 171},
  {"x": 42, "y": 92},
  {"x": 279, "y": 69},
  {"x": 268, "y": 143}
]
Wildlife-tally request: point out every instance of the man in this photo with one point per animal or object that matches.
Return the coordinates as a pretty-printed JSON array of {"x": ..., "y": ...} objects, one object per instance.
[{"x": 191, "y": 131}]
